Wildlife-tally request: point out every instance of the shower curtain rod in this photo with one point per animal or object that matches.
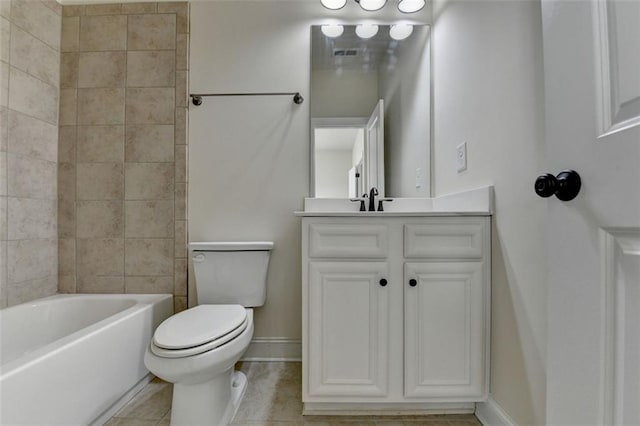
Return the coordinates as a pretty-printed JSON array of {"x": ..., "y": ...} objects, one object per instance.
[{"x": 196, "y": 98}]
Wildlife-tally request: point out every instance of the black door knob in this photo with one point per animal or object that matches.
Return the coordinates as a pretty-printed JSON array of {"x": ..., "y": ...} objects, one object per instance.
[
  {"x": 565, "y": 186},
  {"x": 383, "y": 282},
  {"x": 413, "y": 282}
]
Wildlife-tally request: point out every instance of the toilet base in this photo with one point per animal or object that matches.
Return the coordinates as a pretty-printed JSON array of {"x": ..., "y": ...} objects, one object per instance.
[{"x": 210, "y": 403}]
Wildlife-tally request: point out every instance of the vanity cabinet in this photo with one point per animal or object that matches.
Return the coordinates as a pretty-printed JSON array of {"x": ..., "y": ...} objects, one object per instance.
[{"x": 395, "y": 312}]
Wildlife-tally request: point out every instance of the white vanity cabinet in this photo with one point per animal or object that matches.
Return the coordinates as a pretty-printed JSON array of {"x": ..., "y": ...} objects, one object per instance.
[{"x": 395, "y": 312}]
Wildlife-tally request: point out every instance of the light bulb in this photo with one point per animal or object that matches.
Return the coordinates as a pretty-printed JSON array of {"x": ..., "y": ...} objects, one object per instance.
[
  {"x": 333, "y": 4},
  {"x": 410, "y": 6},
  {"x": 332, "y": 30},
  {"x": 400, "y": 31},
  {"x": 366, "y": 30},
  {"x": 372, "y": 5}
]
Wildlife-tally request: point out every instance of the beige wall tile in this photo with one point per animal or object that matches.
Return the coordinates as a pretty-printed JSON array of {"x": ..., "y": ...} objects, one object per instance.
[
  {"x": 149, "y": 181},
  {"x": 100, "y": 219},
  {"x": 67, "y": 283},
  {"x": 149, "y": 143},
  {"x": 100, "y": 33},
  {"x": 4, "y": 174},
  {"x": 32, "y": 96},
  {"x": 70, "y": 41},
  {"x": 4, "y": 84},
  {"x": 151, "y": 68},
  {"x": 4, "y": 113},
  {"x": 100, "y": 181},
  {"x": 182, "y": 52},
  {"x": 180, "y": 277},
  {"x": 181, "y": 125},
  {"x": 3, "y": 273},
  {"x": 38, "y": 20},
  {"x": 152, "y": 32},
  {"x": 137, "y": 8},
  {"x": 150, "y": 106},
  {"x": 5, "y": 34},
  {"x": 69, "y": 70},
  {"x": 67, "y": 181},
  {"x": 100, "y": 284},
  {"x": 67, "y": 144},
  {"x": 30, "y": 177},
  {"x": 149, "y": 219},
  {"x": 66, "y": 219},
  {"x": 179, "y": 304},
  {"x": 100, "y": 106},
  {"x": 30, "y": 218},
  {"x": 101, "y": 69},
  {"x": 3, "y": 220},
  {"x": 181, "y": 201},
  {"x": 53, "y": 5},
  {"x": 181, "y": 163},
  {"x": 31, "y": 137},
  {"x": 34, "y": 56},
  {"x": 103, "y": 9},
  {"x": 73, "y": 10},
  {"x": 67, "y": 256},
  {"x": 180, "y": 235},
  {"x": 32, "y": 259},
  {"x": 148, "y": 285},
  {"x": 182, "y": 11},
  {"x": 182, "y": 85},
  {"x": 68, "y": 107},
  {"x": 5, "y": 8},
  {"x": 27, "y": 291},
  {"x": 100, "y": 257},
  {"x": 149, "y": 257},
  {"x": 100, "y": 144}
]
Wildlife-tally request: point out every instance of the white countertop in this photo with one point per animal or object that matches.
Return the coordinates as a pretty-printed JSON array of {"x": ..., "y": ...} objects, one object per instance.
[{"x": 388, "y": 214}]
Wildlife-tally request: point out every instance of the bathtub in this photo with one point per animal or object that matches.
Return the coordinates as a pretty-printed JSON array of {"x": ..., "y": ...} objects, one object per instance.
[{"x": 75, "y": 359}]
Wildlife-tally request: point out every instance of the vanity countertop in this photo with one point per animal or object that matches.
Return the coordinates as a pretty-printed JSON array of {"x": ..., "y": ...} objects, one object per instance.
[{"x": 388, "y": 214}]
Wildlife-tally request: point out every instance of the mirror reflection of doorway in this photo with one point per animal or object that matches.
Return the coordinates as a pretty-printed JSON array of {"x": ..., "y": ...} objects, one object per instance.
[{"x": 338, "y": 161}]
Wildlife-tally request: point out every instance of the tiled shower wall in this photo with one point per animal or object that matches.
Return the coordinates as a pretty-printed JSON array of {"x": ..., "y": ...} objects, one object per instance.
[
  {"x": 29, "y": 78},
  {"x": 123, "y": 156}
]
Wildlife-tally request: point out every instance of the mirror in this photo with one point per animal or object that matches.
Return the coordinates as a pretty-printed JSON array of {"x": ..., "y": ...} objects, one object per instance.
[{"x": 370, "y": 114}]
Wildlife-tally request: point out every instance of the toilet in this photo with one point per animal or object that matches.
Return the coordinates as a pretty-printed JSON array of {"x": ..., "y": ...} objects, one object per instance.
[{"x": 196, "y": 349}]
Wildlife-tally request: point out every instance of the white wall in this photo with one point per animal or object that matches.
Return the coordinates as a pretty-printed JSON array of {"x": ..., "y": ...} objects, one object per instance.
[
  {"x": 488, "y": 91},
  {"x": 332, "y": 173},
  {"x": 352, "y": 93},
  {"x": 249, "y": 157},
  {"x": 407, "y": 102}
]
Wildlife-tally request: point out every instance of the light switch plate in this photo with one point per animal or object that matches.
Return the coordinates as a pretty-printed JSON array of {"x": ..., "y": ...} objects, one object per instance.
[{"x": 461, "y": 157}]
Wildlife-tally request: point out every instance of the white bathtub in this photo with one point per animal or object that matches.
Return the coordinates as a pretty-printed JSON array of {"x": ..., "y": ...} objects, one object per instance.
[{"x": 71, "y": 359}]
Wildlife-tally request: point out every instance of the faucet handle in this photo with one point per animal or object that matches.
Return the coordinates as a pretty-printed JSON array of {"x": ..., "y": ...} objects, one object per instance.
[
  {"x": 380, "y": 200},
  {"x": 362, "y": 200}
]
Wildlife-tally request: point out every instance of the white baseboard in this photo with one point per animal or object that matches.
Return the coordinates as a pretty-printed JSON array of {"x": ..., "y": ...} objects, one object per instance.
[
  {"x": 491, "y": 414},
  {"x": 274, "y": 349}
]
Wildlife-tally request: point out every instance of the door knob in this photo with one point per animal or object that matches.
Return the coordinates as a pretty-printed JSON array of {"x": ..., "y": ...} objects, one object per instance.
[
  {"x": 413, "y": 282},
  {"x": 565, "y": 186}
]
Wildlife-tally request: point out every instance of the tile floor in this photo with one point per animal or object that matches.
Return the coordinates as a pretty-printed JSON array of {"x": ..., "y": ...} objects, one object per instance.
[{"x": 273, "y": 398}]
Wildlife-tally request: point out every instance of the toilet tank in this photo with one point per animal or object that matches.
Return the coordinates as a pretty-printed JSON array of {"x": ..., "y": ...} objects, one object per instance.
[{"x": 231, "y": 272}]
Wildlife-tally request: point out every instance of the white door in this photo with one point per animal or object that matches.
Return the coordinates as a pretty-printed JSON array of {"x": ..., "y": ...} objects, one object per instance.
[
  {"x": 348, "y": 329},
  {"x": 592, "y": 108},
  {"x": 374, "y": 149}
]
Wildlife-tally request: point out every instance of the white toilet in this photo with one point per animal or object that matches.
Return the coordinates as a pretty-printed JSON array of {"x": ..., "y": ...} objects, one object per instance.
[{"x": 196, "y": 349}]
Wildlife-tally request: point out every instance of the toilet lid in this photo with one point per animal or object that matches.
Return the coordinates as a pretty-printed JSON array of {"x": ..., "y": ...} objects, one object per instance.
[{"x": 199, "y": 325}]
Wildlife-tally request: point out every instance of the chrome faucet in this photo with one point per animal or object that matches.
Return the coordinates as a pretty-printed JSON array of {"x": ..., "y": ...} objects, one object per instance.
[{"x": 372, "y": 196}]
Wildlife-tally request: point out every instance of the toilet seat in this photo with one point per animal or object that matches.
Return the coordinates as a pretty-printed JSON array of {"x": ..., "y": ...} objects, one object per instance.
[{"x": 197, "y": 330}]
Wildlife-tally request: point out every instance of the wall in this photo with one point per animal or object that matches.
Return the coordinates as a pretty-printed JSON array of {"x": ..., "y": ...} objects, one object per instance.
[
  {"x": 29, "y": 68},
  {"x": 348, "y": 94},
  {"x": 407, "y": 101},
  {"x": 488, "y": 91},
  {"x": 249, "y": 157},
  {"x": 122, "y": 159},
  {"x": 332, "y": 172}
]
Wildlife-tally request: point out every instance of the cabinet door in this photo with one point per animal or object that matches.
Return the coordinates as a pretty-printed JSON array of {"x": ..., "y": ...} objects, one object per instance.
[
  {"x": 348, "y": 328},
  {"x": 444, "y": 330}
]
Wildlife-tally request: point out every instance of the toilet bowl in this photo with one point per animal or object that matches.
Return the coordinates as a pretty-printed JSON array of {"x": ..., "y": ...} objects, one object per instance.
[
  {"x": 197, "y": 349},
  {"x": 206, "y": 389}
]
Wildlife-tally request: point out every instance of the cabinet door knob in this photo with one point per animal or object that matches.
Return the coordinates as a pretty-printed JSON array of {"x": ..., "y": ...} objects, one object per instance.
[
  {"x": 413, "y": 282},
  {"x": 383, "y": 282}
]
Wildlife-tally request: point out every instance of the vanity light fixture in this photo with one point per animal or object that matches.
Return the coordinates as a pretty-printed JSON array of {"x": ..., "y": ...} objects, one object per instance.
[
  {"x": 411, "y": 6},
  {"x": 371, "y": 5},
  {"x": 400, "y": 31},
  {"x": 332, "y": 30},
  {"x": 366, "y": 31},
  {"x": 333, "y": 4}
]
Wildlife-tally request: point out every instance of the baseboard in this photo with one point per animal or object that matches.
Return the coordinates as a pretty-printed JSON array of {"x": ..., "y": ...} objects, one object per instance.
[
  {"x": 274, "y": 349},
  {"x": 491, "y": 414}
]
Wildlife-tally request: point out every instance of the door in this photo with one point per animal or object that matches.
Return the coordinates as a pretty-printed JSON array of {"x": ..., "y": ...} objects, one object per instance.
[
  {"x": 374, "y": 149},
  {"x": 592, "y": 109},
  {"x": 348, "y": 328},
  {"x": 444, "y": 330}
]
